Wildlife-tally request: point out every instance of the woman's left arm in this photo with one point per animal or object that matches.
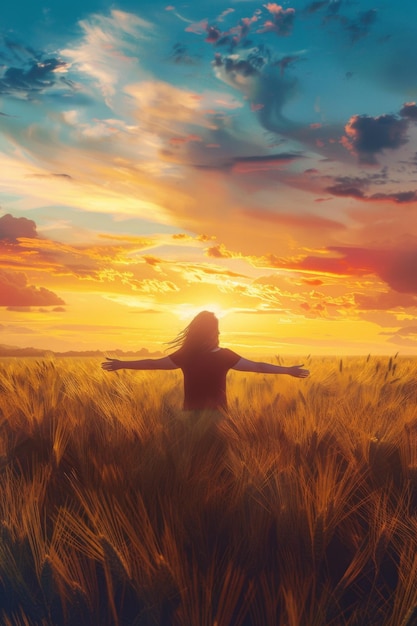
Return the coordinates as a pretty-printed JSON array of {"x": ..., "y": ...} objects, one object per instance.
[{"x": 245, "y": 365}]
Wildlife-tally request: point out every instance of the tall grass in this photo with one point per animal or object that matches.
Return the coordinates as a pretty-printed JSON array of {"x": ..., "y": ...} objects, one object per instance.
[{"x": 298, "y": 510}]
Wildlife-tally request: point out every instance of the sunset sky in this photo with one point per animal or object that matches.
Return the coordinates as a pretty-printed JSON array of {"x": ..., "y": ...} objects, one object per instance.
[{"x": 256, "y": 160}]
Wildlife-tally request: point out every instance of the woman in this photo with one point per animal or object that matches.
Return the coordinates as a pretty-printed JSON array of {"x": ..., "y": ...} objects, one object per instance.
[{"x": 204, "y": 364}]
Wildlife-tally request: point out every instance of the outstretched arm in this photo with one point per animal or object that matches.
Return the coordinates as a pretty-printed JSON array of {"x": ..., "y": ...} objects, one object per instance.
[
  {"x": 111, "y": 365},
  {"x": 245, "y": 365}
]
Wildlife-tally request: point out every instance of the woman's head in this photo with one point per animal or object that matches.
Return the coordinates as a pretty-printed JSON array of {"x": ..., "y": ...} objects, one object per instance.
[{"x": 201, "y": 334}]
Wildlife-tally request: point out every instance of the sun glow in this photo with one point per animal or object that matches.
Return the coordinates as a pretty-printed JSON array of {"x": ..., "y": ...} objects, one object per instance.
[{"x": 189, "y": 311}]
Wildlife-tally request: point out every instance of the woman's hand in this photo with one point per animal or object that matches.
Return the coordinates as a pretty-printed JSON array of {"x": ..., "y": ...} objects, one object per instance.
[
  {"x": 298, "y": 372},
  {"x": 111, "y": 365}
]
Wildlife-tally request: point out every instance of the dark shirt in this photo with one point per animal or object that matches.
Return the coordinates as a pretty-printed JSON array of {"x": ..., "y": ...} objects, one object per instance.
[{"x": 205, "y": 377}]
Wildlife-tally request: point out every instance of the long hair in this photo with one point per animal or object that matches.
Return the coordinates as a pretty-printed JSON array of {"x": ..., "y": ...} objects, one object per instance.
[{"x": 201, "y": 334}]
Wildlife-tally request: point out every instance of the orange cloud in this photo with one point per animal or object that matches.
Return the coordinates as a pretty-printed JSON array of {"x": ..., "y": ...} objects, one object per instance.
[
  {"x": 300, "y": 221},
  {"x": 220, "y": 252},
  {"x": 15, "y": 291},
  {"x": 11, "y": 228}
]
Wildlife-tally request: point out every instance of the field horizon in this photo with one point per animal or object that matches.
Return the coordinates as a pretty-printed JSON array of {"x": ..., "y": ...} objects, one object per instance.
[{"x": 298, "y": 509}]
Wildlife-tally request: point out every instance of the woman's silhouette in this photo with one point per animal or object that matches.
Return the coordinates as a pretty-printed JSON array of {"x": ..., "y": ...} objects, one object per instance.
[{"x": 204, "y": 364}]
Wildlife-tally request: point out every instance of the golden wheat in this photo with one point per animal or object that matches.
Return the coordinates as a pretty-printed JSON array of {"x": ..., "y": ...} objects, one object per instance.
[{"x": 298, "y": 510}]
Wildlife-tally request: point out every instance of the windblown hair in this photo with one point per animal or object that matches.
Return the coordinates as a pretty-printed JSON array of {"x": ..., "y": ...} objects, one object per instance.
[{"x": 201, "y": 334}]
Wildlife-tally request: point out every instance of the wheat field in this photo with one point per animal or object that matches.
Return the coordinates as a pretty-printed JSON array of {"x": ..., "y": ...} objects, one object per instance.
[{"x": 300, "y": 509}]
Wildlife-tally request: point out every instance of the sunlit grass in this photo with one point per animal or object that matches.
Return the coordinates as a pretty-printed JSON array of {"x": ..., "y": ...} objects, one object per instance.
[{"x": 298, "y": 510}]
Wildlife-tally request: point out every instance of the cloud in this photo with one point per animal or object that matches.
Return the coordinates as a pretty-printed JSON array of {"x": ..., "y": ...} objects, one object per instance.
[
  {"x": 219, "y": 252},
  {"x": 199, "y": 272},
  {"x": 302, "y": 221},
  {"x": 11, "y": 228},
  {"x": 253, "y": 72},
  {"x": 405, "y": 336},
  {"x": 409, "y": 110},
  {"x": 22, "y": 83},
  {"x": 152, "y": 286},
  {"x": 108, "y": 43},
  {"x": 12, "y": 329},
  {"x": 263, "y": 163},
  {"x": 407, "y": 330},
  {"x": 385, "y": 301},
  {"x": 129, "y": 186},
  {"x": 315, "y": 282},
  {"x": 180, "y": 55},
  {"x": 97, "y": 262},
  {"x": 15, "y": 291},
  {"x": 253, "y": 163},
  {"x": 217, "y": 35},
  {"x": 286, "y": 61},
  {"x": 399, "y": 197},
  {"x": 313, "y": 7},
  {"x": 395, "y": 266},
  {"x": 281, "y": 21},
  {"x": 28, "y": 74},
  {"x": 164, "y": 109},
  {"x": 346, "y": 187},
  {"x": 360, "y": 26},
  {"x": 368, "y": 136}
]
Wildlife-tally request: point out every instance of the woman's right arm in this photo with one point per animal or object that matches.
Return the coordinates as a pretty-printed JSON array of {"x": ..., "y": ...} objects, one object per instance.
[
  {"x": 165, "y": 363},
  {"x": 245, "y": 365}
]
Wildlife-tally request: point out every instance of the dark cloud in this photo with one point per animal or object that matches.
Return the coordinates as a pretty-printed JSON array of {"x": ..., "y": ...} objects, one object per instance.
[
  {"x": 409, "y": 111},
  {"x": 345, "y": 190},
  {"x": 313, "y": 7},
  {"x": 53, "y": 175},
  {"x": 235, "y": 66},
  {"x": 369, "y": 136},
  {"x": 254, "y": 73},
  {"x": 399, "y": 197},
  {"x": 181, "y": 56},
  {"x": 35, "y": 77},
  {"x": 213, "y": 34},
  {"x": 355, "y": 188},
  {"x": 20, "y": 51},
  {"x": 274, "y": 92},
  {"x": 11, "y": 228},
  {"x": 356, "y": 27},
  {"x": 232, "y": 37},
  {"x": 13, "y": 52},
  {"x": 334, "y": 7},
  {"x": 287, "y": 61},
  {"x": 268, "y": 160},
  {"x": 252, "y": 163},
  {"x": 15, "y": 291},
  {"x": 360, "y": 26},
  {"x": 283, "y": 157}
]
